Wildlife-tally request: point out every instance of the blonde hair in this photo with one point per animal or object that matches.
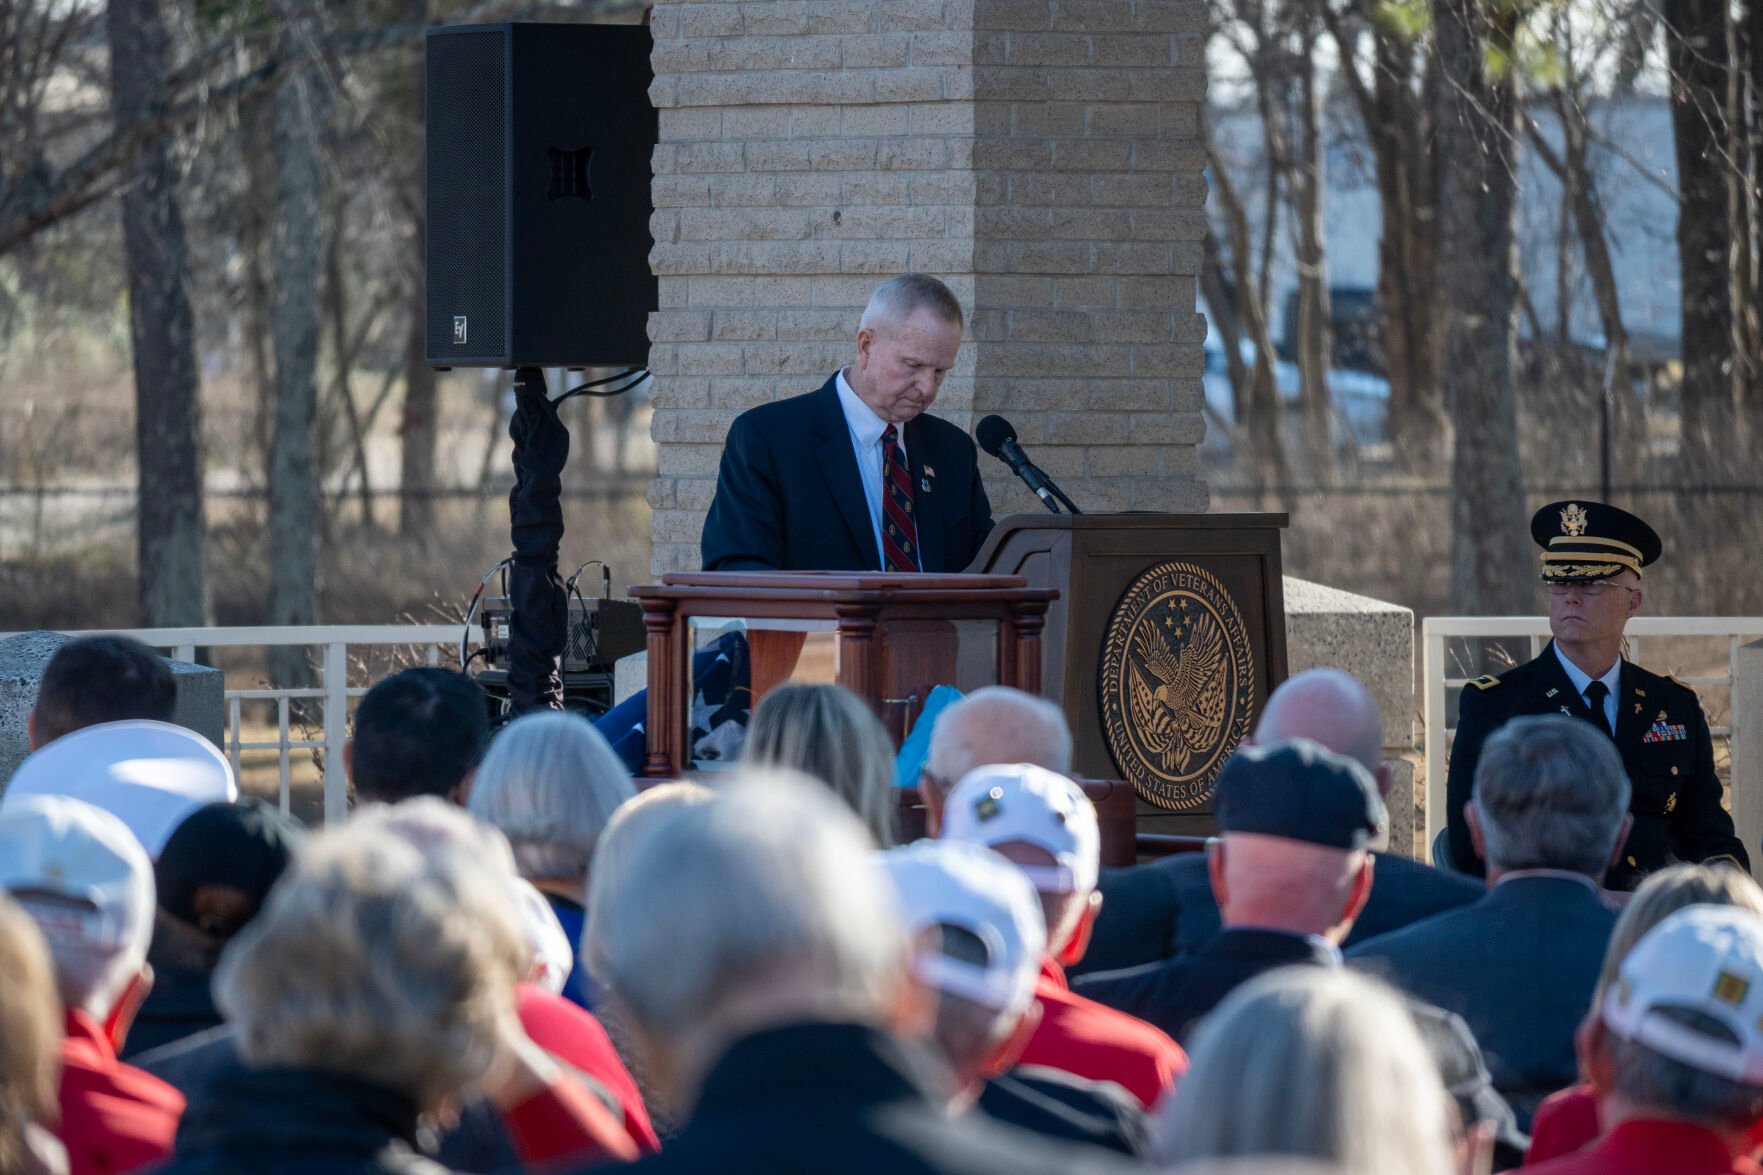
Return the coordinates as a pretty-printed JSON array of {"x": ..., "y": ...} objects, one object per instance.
[
  {"x": 1315, "y": 1063},
  {"x": 389, "y": 953},
  {"x": 827, "y": 732},
  {"x": 1664, "y": 894},
  {"x": 30, "y": 1033}
]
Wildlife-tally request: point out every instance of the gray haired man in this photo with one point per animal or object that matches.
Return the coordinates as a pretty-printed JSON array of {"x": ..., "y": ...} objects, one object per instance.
[{"x": 1549, "y": 813}]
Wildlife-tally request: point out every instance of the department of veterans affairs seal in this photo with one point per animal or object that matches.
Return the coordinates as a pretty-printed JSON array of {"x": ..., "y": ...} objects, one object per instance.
[{"x": 1177, "y": 683}]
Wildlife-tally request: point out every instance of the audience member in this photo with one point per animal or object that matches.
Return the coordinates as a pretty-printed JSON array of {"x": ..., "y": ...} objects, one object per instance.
[
  {"x": 550, "y": 783},
  {"x": 420, "y": 732},
  {"x": 95, "y": 679},
  {"x": 1045, "y": 824},
  {"x": 210, "y": 880},
  {"x": 1165, "y": 908},
  {"x": 150, "y": 775},
  {"x": 1675, "y": 1051},
  {"x": 29, "y": 1048},
  {"x": 772, "y": 996},
  {"x": 84, "y": 879},
  {"x": 376, "y": 985},
  {"x": 978, "y": 940},
  {"x": 828, "y": 733},
  {"x": 1550, "y": 808},
  {"x": 1312, "y": 1062},
  {"x": 1568, "y": 1120},
  {"x": 1290, "y": 871},
  {"x": 994, "y": 724}
]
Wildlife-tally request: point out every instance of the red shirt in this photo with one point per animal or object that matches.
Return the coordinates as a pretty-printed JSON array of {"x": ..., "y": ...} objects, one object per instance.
[
  {"x": 1646, "y": 1146},
  {"x": 114, "y": 1117},
  {"x": 1087, "y": 1039},
  {"x": 1565, "y": 1122},
  {"x": 574, "y": 1037}
]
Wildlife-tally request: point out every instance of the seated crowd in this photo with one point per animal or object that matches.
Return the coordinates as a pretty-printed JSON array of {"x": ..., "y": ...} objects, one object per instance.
[{"x": 510, "y": 959}]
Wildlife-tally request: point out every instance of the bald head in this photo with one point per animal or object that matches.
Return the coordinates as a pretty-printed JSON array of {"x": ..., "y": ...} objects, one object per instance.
[
  {"x": 995, "y": 724},
  {"x": 1331, "y": 707}
]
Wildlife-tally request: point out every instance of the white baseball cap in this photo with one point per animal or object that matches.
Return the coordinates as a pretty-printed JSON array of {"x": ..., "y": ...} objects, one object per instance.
[
  {"x": 1021, "y": 802},
  {"x": 79, "y": 872},
  {"x": 953, "y": 883},
  {"x": 1702, "y": 959},
  {"x": 553, "y": 957},
  {"x": 148, "y": 774}
]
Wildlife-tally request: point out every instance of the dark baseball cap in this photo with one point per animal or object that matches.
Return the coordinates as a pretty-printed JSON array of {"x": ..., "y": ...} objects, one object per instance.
[
  {"x": 1299, "y": 790},
  {"x": 243, "y": 847}
]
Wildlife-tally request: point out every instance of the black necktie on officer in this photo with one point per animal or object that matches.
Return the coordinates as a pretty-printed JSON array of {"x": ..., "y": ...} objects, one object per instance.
[{"x": 1595, "y": 693}]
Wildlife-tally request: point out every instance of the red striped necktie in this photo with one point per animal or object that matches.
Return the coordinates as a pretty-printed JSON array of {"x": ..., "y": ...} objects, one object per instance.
[{"x": 899, "y": 529}]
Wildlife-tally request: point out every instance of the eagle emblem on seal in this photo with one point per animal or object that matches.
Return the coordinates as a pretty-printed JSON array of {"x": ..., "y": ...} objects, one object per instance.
[
  {"x": 1573, "y": 520},
  {"x": 1178, "y": 699}
]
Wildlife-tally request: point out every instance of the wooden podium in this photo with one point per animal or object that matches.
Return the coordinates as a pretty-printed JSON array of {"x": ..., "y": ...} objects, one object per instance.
[
  {"x": 887, "y": 637},
  {"x": 1165, "y": 638}
]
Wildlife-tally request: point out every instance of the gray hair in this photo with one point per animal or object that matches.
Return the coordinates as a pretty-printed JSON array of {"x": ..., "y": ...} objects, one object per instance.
[
  {"x": 1311, "y": 1062},
  {"x": 1664, "y": 894},
  {"x": 714, "y": 900},
  {"x": 1651, "y": 1079},
  {"x": 550, "y": 782},
  {"x": 1551, "y": 792},
  {"x": 827, "y": 732},
  {"x": 388, "y": 952},
  {"x": 895, "y": 300},
  {"x": 997, "y": 724}
]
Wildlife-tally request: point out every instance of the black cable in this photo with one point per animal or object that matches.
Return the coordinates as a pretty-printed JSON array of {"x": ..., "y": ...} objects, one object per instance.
[
  {"x": 476, "y": 598},
  {"x": 590, "y": 388}
]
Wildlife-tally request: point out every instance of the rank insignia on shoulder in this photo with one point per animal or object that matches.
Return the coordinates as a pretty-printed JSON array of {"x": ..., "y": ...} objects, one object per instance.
[
  {"x": 1680, "y": 681},
  {"x": 1485, "y": 681}
]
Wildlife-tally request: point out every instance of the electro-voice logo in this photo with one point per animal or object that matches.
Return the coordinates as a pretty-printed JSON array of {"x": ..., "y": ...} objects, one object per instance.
[{"x": 459, "y": 321}]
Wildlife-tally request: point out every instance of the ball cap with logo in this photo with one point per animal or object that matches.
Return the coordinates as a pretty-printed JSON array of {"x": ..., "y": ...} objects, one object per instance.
[
  {"x": 1007, "y": 803},
  {"x": 1298, "y": 790},
  {"x": 1706, "y": 961},
  {"x": 79, "y": 872},
  {"x": 1584, "y": 540},
  {"x": 948, "y": 883}
]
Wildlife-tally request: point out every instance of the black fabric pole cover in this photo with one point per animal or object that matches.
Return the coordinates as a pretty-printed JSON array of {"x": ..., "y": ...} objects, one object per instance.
[{"x": 539, "y": 626}]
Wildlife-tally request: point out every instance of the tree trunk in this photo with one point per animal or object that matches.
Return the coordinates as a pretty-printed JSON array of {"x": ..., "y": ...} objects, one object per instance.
[
  {"x": 417, "y": 432},
  {"x": 1697, "y": 58},
  {"x": 1477, "y": 262},
  {"x": 168, "y": 406},
  {"x": 294, "y": 500},
  {"x": 1315, "y": 348}
]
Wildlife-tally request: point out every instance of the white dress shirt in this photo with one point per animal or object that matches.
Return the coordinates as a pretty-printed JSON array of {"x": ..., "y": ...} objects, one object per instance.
[
  {"x": 866, "y": 430},
  {"x": 1581, "y": 679}
]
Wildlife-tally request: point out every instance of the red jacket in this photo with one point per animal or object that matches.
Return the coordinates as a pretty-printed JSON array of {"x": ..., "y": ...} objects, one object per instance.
[
  {"x": 1087, "y": 1039},
  {"x": 1645, "y": 1146},
  {"x": 114, "y": 1117},
  {"x": 574, "y": 1037},
  {"x": 1564, "y": 1123}
]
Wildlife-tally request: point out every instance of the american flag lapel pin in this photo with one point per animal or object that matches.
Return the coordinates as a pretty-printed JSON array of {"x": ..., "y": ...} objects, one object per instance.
[{"x": 924, "y": 482}]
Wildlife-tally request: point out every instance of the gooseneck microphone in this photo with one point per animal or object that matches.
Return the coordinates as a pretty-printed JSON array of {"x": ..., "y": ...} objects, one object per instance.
[{"x": 997, "y": 437}]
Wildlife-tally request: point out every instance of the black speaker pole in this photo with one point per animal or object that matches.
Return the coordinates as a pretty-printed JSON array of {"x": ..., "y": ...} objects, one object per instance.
[{"x": 539, "y": 625}]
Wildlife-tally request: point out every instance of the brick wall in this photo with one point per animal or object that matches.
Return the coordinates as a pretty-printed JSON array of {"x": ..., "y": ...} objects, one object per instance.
[{"x": 1040, "y": 157}]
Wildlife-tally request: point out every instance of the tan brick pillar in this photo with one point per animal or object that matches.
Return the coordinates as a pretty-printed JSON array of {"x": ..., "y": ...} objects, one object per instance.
[{"x": 1039, "y": 156}]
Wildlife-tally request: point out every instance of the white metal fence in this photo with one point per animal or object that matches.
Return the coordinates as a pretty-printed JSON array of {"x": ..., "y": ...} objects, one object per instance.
[
  {"x": 334, "y": 643},
  {"x": 1437, "y": 679}
]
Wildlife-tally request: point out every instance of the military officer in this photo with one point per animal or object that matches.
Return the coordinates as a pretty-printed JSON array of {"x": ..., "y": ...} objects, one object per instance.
[{"x": 1591, "y": 569}]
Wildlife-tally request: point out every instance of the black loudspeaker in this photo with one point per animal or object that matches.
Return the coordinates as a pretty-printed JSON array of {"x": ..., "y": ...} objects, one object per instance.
[{"x": 539, "y": 145}]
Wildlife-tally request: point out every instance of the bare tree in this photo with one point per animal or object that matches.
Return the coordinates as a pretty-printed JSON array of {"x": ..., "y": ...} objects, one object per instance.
[
  {"x": 417, "y": 432},
  {"x": 168, "y": 415}
]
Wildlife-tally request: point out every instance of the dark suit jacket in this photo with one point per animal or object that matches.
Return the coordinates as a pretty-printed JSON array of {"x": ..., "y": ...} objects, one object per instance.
[
  {"x": 1519, "y": 967},
  {"x": 1165, "y": 908},
  {"x": 846, "y": 1100},
  {"x": 789, "y": 498},
  {"x": 1676, "y": 801},
  {"x": 1063, "y": 1105},
  {"x": 1175, "y": 994}
]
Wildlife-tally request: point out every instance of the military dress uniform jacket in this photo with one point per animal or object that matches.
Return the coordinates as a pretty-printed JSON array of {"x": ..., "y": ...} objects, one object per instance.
[{"x": 1665, "y": 746}]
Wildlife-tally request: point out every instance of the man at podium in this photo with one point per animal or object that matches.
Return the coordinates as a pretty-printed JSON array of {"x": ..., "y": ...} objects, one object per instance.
[{"x": 858, "y": 476}]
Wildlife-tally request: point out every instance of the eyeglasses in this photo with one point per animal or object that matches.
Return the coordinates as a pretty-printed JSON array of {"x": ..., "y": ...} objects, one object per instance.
[{"x": 1592, "y": 588}]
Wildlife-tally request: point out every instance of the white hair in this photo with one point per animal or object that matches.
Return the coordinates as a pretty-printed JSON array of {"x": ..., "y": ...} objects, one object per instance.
[
  {"x": 1311, "y": 1062},
  {"x": 997, "y": 724},
  {"x": 1551, "y": 792},
  {"x": 550, "y": 782},
  {"x": 895, "y": 300},
  {"x": 712, "y": 901}
]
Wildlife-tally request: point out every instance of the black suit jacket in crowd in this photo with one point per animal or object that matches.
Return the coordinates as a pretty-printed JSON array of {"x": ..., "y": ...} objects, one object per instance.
[
  {"x": 1519, "y": 967},
  {"x": 1676, "y": 797},
  {"x": 841, "y": 1099},
  {"x": 1175, "y": 994},
  {"x": 1165, "y": 908},
  {"x": 789, "y": 496}
]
